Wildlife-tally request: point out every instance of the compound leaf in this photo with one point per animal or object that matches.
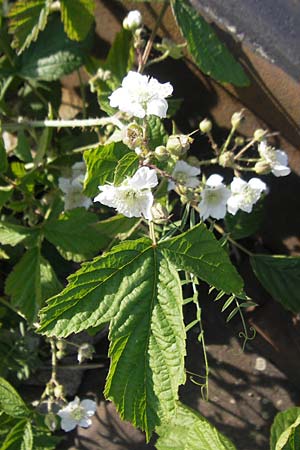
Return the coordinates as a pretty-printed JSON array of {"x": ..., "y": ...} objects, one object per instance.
[{"x": 138, "y": 291}]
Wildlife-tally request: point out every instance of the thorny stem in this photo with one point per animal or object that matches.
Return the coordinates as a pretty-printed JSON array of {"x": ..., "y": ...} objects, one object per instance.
[
  {"x": 213, "y": 144},
  {"x": 82, "y": 92},
  {"x": 81, "y": 123},
  {"x": 150, "y": 42},
  {"x": 53, "y": 361}
]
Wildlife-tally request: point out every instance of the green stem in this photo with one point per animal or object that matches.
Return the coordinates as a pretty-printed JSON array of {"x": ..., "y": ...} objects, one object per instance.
[
  {"x": 152, "y": 233},
  {"x": 232, "y": 241},
  {"x": 82, "y": 92},
  {"x": 158, "y": 59}
]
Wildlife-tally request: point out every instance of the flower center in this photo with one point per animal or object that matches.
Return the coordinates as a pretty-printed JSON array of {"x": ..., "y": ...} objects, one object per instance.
[
  {"x": 212, "y": 196},
  {"x": 78, "y": 413},
  {"x": 180, "y": 177}
]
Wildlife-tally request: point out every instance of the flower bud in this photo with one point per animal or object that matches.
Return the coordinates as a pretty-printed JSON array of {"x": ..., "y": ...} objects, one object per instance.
[
  {"x": 239, "y": 140},
  {"x": 133, "y": 20},
  {"x": 59, "y": 391},
  {"x": 262, "y": 168},
  {"x": 178, "y": 144},
  {"x": 193, "y": 161},
  {"x": 159, "y": 213},
  {"x": 133, "y": 136},
  {"x": 85, "y": 351},
  {"x": 205, "y": 125},
  {"x": 51, "y": 421},
  {"x": 60, "y": 354},
  {"x": 226, "y": 159},
  {"x": 236, "y": 119},
  {"x": 61, "y": 345},
  {"x": 161, "y": 153},
  {"x": 259, "y": 134}
]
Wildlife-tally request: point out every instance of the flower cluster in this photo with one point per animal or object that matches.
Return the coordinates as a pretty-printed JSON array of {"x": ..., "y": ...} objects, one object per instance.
[
  {"x": 72, "y": 188},
  {"x": 133, "y": 198}
]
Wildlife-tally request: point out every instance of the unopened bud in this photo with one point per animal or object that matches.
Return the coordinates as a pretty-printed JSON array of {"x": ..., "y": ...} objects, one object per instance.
[
  {"x": 133, "y": 20},
  {"x": 61, "y": 345},
  {"x": 178, "y": 144},
  {"x": 259, "y": 134},
  {"x": 159, "y": 213},
  {"x": 239, "y": 140},
  {"x": 51, "y": 421},
  {"x": 193, "y": 161},
  {"x": 205, "y": 125},
  {"x": 60, "y": 354},
  {"x": 236, "y": 119},
  {"x": 133, "y": 136},
  {"x": 226, "y": 159},
  {"x": 59, "y": 391},
  {"x": 161, "y": 153},
  {"x": 262, "y": 168},
  {"x": 85, "y": 351}
]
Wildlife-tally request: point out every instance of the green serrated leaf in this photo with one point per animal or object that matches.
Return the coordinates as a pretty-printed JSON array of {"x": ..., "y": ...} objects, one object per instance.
[
  {"x": 120, "y": 58},
  {"x": 126, "y": 167},
  {"x": 11, "y": 234},
  {"x": 197, "y": 251},
  {"x": 49, "y": 59},
  {"x": 19, "y": 437},
  {"x": 156, "y": 132},
  {"x": 27, "y": 19},
  {"x": 3, "y": 157},
  {"x": 23, "y": 284},
  {"x": 117, "y": 226},
  {"x": 209, "y": 53},
  {"x": 280, "y": 276},
  {"x": 285, "y": 429},
  {"x": 101, "y": 163},
  {"x": 77, "y": 17},
  {"x": 188, "y": 430},
  {"x": 138, "y": 291},
  {"x": 243, "y": 224},
  {"x": 74, "y": 234},
  {"x": 10, "y": 401}
]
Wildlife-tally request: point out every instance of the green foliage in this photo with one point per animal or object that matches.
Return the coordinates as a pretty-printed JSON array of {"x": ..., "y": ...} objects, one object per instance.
[
  {"x": 127, "y": 166},
  {"x": 31, "y": 281},
  {"x": 188, "y": 430},
  {"x": 12, "y": 234},
  {"x": 27, "y": 19},
  {"x": 50, "y": 59},
  {"x": 74, "y": 234},
  {"x": 285, "y": 431},
  {"x": 209, "y": 53},
  {"x": 280, "y": 276},
  {"x": 23, "y": 148},
  {"x": 156, "y": 132},
  {"x": 3, "y": 157},
  {"x": 10, "y": 401},
  {"x": 77, "y": 17},
  {"x": 101, "y": 163},
  {"x": 242, "y": 224}
]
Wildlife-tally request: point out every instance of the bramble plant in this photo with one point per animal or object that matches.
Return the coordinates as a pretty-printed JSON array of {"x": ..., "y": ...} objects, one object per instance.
[{"x": 127, "y": 199}]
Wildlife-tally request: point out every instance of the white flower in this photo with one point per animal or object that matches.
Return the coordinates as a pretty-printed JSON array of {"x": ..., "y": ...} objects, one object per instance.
[
  {"x": 185, "y": 174},
  {"x": 141, "y": 96},
  {"x": 77, "y": 413},
  {"x": 72, "y": 188},
  {"x": 133, "y": 198},
  {"x": 214, "y": 198},
  {"x": 277, "y": 159},
  {"x": 133, "y": 20},
  {"x": 244, "y": 195}
]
